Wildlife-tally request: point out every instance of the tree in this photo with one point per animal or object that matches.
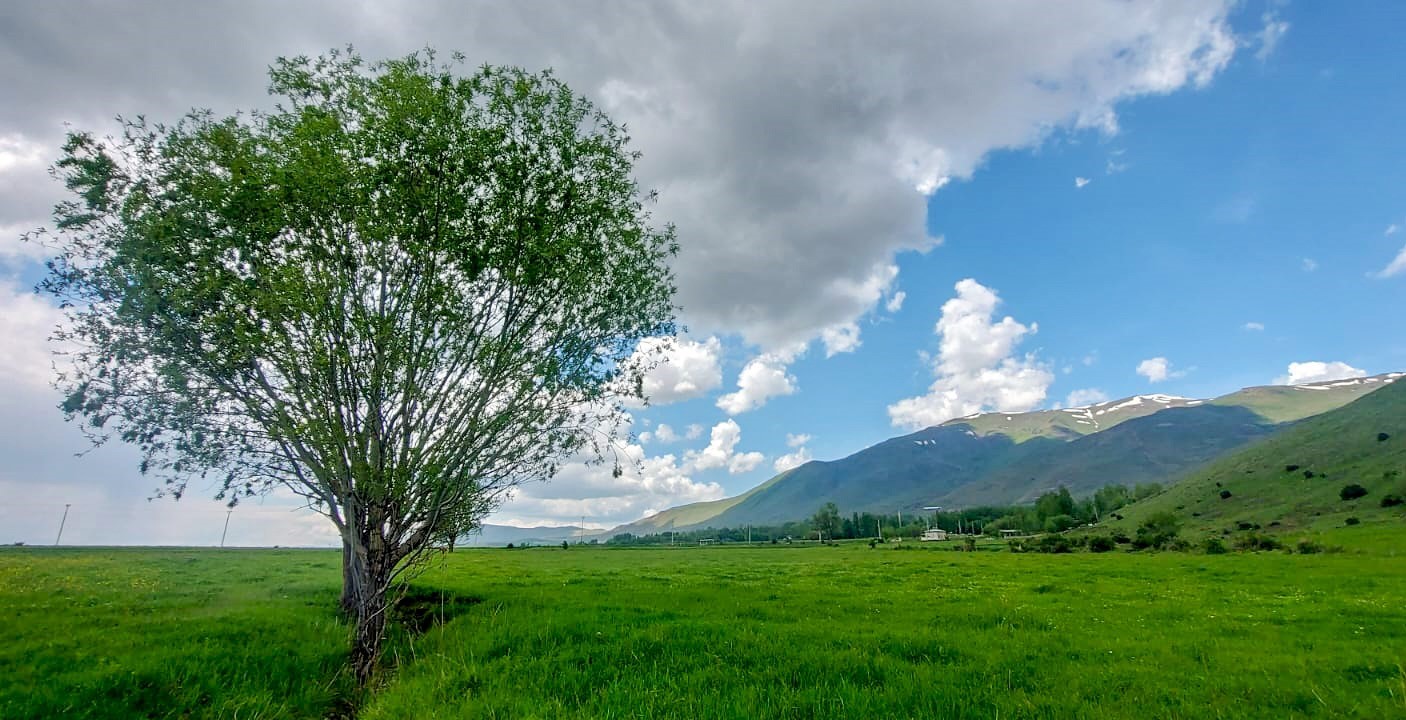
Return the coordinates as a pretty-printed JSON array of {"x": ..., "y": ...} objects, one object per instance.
[
  {"x": 399, "y": 293},
  {"x": 827, "y": 520}
]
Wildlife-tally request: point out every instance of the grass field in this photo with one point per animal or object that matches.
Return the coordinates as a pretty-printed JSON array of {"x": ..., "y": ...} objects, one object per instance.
[{"x": 767, "y": 632}]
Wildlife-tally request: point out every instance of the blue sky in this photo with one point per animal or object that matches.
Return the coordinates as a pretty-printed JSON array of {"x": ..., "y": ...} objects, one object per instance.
[{"x": 1208, "y": 183}]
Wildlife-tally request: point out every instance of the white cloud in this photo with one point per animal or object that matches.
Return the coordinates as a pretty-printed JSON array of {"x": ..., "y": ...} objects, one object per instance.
[
  {"x": 1080, "y": 182},
  {"x": 745, "y": 462},
  {"x": 794, "y": 459},
  {"x": 1395, "y": 267},
  {"x": 976, "y": 369},
  {"x": 1254, "y": 326},
  {"x": 1392, "y": 229},
  {"x": 722, "y": 451},
  {"x": 1301, "y": 373},
  {"x": 1309, "y": 264},
  {"x": 763, "y": 378},
  {"x": 693, "y": 431},
  {"x": 895, "y": 302},
  {"x": 26, "y": 322},
  {"x": 1090, "y": 359},
  {"x": 1085, "y": 397},
  {"x": 1270, "y": 35},
  {"x": 665, "y": 434},
  {"x": 683, "y": 369},
  {"x": 1158, "y": 369},
  {"x": 796, "y": 440}
]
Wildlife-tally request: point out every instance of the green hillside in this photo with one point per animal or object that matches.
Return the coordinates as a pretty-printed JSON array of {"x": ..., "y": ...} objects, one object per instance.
[{"x": 1294, "y": 479}]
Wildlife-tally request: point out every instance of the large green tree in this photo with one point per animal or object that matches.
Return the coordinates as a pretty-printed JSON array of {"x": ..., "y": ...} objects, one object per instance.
[{"x": 400, "y": 292}]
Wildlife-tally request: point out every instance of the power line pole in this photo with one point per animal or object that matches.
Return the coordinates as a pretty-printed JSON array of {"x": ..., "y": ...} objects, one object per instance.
[
  {"x": 226, "y": 531},
  {"x": 62, "y": 522}
]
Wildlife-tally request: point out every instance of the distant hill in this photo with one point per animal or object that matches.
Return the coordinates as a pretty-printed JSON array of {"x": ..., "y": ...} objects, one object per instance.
[
  {"x": 500, "y": 535},
  {"x": 1001, "y": 458},
  {"x": 1294, "y": 479}
]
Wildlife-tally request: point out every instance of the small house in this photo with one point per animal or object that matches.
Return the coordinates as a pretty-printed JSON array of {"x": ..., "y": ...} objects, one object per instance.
[{"x": 935, "y": 534}]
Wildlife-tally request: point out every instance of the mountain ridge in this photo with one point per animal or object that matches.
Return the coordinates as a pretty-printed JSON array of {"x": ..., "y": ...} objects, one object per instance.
[{"x": 1007, "y": 458}]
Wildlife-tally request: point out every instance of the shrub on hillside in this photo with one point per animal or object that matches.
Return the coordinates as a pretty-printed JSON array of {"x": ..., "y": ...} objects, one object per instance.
[
  {"x": 1391, "y": 500},
  {"x": 1308, "y": 474},
  {"x": 1308, "y": 547},
  {"x": 1352, "y": 521},
  {"x": 1017, "y": 546},
  {"x": 1290, "y": 468},
  {"x": 1101, "y": 543},
  {"x": 1252, "y": 542},
  {"x": 1225, "y": 494},
  {"x": 1213, "y": 546},
  {"x": 1157, "y": 530},
  {"x": 1121, "y": 538},
  {"x": 1352, "y": 492},
  {"x": 1382, "y": 437}
]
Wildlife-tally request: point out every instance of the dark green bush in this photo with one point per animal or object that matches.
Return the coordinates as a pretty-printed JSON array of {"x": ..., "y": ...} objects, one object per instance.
[
  {"x": 1308, "y": 547},
  {"x": 1054, "y": 544},
  {"x": 1102, "y": 543},
  {"x": 1352, "y": 492},
  {"x": 1352, "y": 521},
  {"x": 1391, "y": 500},
  {"x": 1225, "y": 494},
  {"x": 1250, "y": 542},
  {"x": 1382, "y": 437},
  {"x": 1121, "y": 538},
  {"x": 1213, "y": 546}
]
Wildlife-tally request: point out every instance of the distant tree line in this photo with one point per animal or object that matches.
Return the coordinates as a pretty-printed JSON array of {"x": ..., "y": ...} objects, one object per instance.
[{"x": 1054, "y": 511}]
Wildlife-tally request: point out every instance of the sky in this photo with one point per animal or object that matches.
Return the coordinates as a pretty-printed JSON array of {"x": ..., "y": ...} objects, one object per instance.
[{"x": 889, "y": 214}]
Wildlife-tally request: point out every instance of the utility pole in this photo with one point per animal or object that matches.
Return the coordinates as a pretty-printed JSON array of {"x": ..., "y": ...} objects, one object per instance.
[
  {"x": 62, "y": 523},
  {"x": 226, "y": 532},
  {"x": 582, "y": 539},
  {"x": 749, "y": 534}
]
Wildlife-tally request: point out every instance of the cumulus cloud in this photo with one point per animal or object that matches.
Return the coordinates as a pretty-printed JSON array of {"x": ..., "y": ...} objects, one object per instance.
[
  {"x": 1395, "y": 267},
  {"x": 1080, "y": 182},
  {"x": 1254, "y": 326},
  {"x": 1301, "y": 373},
  {"x": 1392, "y": 229},
  {"x": 976, "y": 368},
  {"x": 1158, "y": 369},
  {"x": 895, "y": 302},
  {"x": 693, "y": 431},
  {"x": 682, "y": 369},
  {"x": 722, "y": 451},
  {"x": 665, "y": 434},
  {"x": 1309, "y": 264},
  {"x": 1085, "y": 397},
  {"x": 796, "y": 440},
  {"x": 763, "y": 378},
  {"x": 794, "y": 459}
]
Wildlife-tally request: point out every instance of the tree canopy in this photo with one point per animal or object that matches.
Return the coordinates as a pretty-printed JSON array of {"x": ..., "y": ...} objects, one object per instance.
[{"x": 398, "y": 293}]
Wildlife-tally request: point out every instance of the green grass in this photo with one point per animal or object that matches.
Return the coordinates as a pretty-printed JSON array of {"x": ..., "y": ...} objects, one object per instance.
[{"x": 767, "y": 632}]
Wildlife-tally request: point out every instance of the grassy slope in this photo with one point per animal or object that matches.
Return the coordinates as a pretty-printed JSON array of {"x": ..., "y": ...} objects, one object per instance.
[
  {"x": 770, "y": 632},
  {"x": 1339, "y": 447}
]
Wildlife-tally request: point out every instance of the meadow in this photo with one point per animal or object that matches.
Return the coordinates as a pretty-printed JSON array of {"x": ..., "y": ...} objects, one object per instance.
[{"x": 717, "y": 632}]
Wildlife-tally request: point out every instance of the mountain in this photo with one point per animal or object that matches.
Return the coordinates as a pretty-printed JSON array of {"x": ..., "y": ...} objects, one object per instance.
[
  {"x": 1001, "y": 458},
  {"x": 500, "y": 535},
  {"x": 1294, "y": 479}
]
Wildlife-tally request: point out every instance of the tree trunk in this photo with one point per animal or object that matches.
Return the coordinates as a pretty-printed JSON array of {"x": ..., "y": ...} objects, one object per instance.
[{"x": 365, "y": 580}]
